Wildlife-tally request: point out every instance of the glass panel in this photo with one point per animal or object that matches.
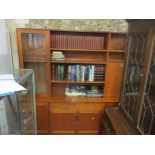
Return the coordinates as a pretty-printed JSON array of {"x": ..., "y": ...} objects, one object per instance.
[
  {"x": 39, "y": 69},
  {"x": 134, "y": 71},
  {"x": 147, "y": 118},
  {"x": 27, "y": 108},
  {"x": 33, "y": 46}
]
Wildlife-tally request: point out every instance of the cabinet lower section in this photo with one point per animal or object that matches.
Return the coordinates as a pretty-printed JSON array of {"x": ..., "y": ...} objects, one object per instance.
[
  {"x": 76, "y": 118},
  {"x": 70, "y": 118}
]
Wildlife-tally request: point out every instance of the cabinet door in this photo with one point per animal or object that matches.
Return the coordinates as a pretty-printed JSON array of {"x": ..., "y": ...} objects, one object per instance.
[
  {"x": 147, "y": 115},
  {"x": 34, "y": 50},
  {"x": 133, "y": 74},
  {"x": 113, "y": 81},
  {"x": 42, "y": 118},
  {"x": 63, "y": 122},
  {"x": 89, "y": 123}
]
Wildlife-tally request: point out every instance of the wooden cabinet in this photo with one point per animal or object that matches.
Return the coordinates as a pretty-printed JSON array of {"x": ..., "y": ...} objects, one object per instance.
[
  {"x": 136, "y": 108},
  {"x": 42, "y": 118},
  {"x": 92, "y": 65},
  {"x": 74, "y": 122}
]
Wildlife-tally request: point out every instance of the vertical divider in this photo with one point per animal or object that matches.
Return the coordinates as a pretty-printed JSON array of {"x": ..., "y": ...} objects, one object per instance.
[{"x": 107, "y": 47}]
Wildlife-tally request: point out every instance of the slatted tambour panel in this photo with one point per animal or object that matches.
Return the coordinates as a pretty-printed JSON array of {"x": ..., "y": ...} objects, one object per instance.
[
  {"x": 147, "y": 117},
  {"x": 134, "y": 71},
  {"x": 77, "y": 40}
]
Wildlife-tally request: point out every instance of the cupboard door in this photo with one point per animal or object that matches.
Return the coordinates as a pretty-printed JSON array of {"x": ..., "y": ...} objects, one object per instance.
[
  {"x": 147, "y": 115},
  {"x": 89, "y": 123},
  {"x": 113, "y": 81},
  {"x": 133, "y": 73},
  {"x": 63, "y": 122},
  {"x": 34, "y": 53},
  {"x": 42, "y": 118}
]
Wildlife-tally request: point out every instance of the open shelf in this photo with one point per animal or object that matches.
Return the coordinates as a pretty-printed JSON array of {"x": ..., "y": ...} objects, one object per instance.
[
  {"x": 77, "y": 50},
  {"x": 77, "y": 82}
]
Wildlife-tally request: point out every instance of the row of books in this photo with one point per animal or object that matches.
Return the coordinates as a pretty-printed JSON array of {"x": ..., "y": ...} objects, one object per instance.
[
  {"x": 86, "y": 91},
  {"x": 78, "y": 41},
  {"x": 78, "y": 72}
]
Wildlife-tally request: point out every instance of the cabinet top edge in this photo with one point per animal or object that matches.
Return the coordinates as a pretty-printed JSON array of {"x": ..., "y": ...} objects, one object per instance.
[{"x": 80, "y": 31}]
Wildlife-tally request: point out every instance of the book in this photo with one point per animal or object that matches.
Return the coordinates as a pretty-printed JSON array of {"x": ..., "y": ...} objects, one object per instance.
[
  {"x": 72, "y": 73},
  {"x": 58, "y": 72},
  {"x": 82, "y": 90},
  {"x": 57, "y": 55},
  {"x": 99, "y": 72},
  {"x": 62, "y": 72},
  {"x": 78, "y": 73}
]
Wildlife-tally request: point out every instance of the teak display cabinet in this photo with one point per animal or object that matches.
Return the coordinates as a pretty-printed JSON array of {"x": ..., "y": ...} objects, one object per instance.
[{"x": 56, "y": 112}]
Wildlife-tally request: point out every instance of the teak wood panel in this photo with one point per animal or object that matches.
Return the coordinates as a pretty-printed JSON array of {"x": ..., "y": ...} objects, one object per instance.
[
  {"x": 113, "y": 80},
  {"x": 89, "y": 122},
  {"x": 75, "y": 118},
  {"x": 42, "y": 118},
  {"x": 63, "y": 121},
  {"x": 117, "y": 42}
]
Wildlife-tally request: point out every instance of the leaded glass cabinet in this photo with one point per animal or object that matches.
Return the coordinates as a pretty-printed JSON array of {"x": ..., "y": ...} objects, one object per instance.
[{"x": 137, "y": 101}]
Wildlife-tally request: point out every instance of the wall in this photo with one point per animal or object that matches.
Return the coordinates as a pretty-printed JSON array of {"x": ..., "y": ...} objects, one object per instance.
[
  {"x": 114, "y": 25},
  {"x": 5, "y": 51}
]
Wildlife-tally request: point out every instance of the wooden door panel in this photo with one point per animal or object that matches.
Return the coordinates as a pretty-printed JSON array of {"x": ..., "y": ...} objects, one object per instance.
[
  {"x": 113, "y": 81},
  {"x": 42, "y": 118},
  {"x": 63, "y": 122},
  {"x": 89, "y": 123}
]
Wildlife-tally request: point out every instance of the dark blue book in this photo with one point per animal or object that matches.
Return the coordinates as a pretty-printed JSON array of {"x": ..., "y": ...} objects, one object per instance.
[{"x": 72, "y": 73}]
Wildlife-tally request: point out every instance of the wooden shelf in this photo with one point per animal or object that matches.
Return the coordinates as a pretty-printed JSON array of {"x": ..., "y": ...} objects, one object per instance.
[
  {"x": 77, "y": 82},
  {"x": 87, "y": 50},
  {"x": 116, "y": 60},
  {"x": 37, "y": 61},
  {"x": 78, "y": 61},
  {"x": 117, "y": 51},
  {"x": 78, "y": 50},
  {"x": 74, "y": 99}
]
